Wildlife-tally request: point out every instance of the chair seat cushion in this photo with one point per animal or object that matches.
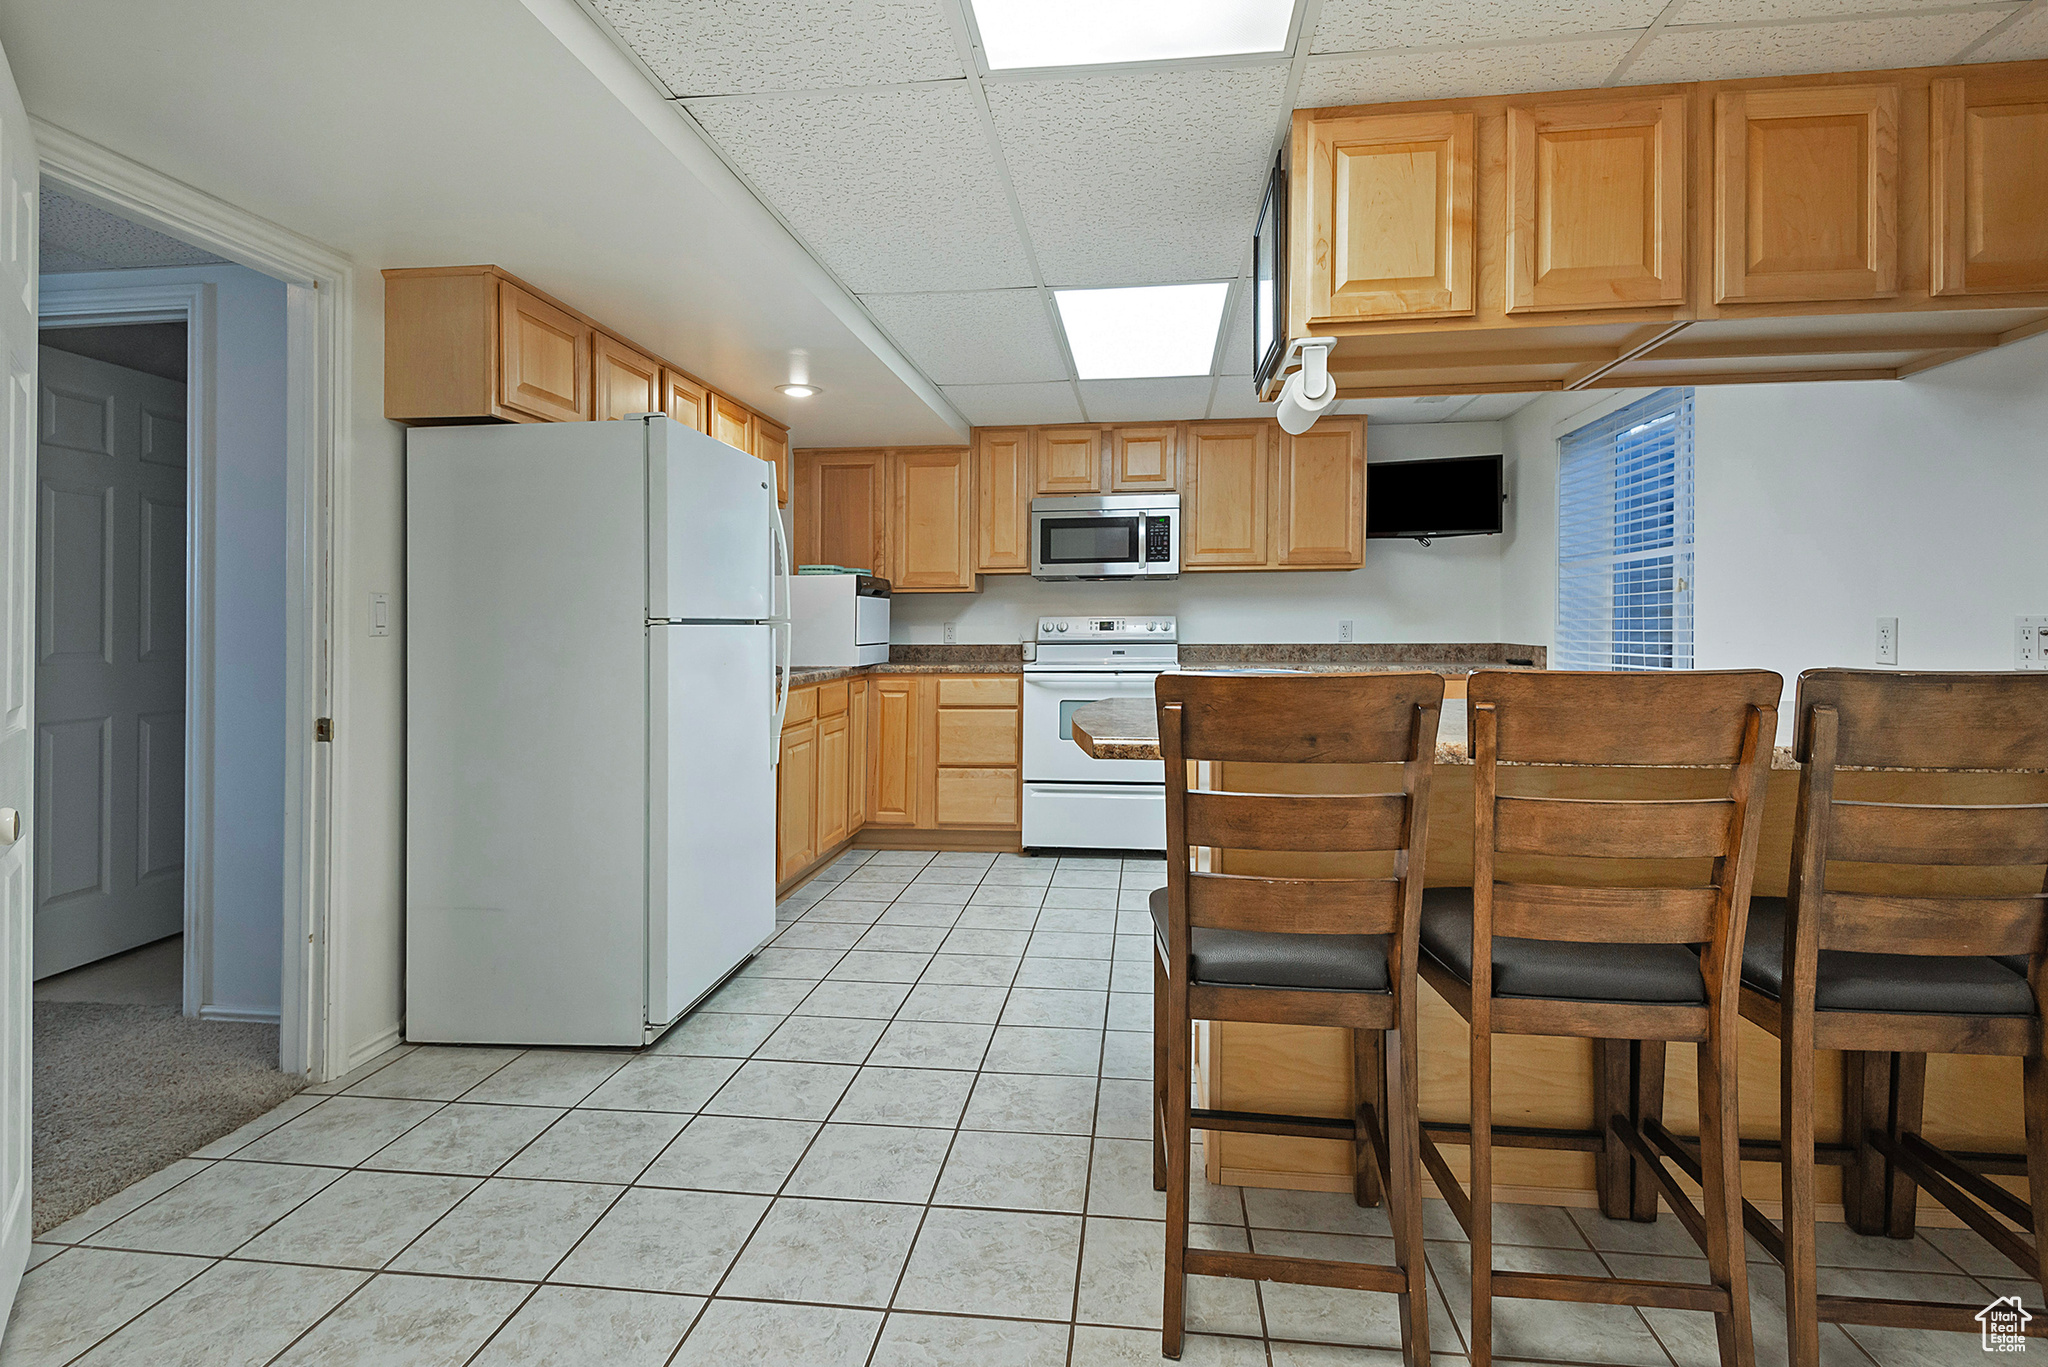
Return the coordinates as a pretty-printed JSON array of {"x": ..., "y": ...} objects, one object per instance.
[
  {"x": 1905, "y": 984},
  {"x": 1250, "y": 958},
  {"x": 1560, "y": 970}
]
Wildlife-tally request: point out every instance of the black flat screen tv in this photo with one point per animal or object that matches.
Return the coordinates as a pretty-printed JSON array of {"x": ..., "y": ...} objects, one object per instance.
[
  {"x": 1426, "y": 499},
  {"x": 1269, "y": 282}
]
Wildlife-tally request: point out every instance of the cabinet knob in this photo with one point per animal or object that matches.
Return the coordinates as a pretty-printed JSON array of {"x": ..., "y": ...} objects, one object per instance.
[{"x": 10, "y": 825}]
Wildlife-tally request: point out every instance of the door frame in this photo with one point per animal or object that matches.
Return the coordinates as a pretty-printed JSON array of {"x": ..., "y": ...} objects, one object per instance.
[{"x": 319, "y": 293}]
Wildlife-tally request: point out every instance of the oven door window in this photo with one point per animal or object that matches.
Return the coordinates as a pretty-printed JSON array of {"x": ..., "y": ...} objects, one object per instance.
[
  {"x": 1067, "y": 706},
  {"x": 1088, "y": 541}
]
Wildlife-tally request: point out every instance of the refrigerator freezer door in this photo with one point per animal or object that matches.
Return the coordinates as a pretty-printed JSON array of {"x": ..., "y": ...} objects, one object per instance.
[
  {"x": 710, "y": 548},
  {"x": 711, "y": 812}
]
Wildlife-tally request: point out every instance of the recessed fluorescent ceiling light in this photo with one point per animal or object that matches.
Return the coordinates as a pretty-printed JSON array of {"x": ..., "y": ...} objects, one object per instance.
[
  {"x": 1153, "y": 330},
  {"x": 1039, "y": 33}
]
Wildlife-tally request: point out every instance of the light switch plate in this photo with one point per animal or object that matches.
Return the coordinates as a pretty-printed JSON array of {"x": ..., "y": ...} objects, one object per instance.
[
  {"x": 1887, "y": 640},
  {"x": 2030, "y": 643},
  {"x": 380, "y": 614}
]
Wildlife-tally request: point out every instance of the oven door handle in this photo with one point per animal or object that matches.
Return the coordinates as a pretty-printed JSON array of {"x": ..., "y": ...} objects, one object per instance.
[{"x": 1047, "y": 679}]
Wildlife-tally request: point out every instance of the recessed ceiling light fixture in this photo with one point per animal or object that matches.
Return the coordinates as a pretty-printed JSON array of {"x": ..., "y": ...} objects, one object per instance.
[
  {"x": 1143, "y": 332},
  {"x": 1041, "y": 33},
  {"x": 798, "y": 391}
]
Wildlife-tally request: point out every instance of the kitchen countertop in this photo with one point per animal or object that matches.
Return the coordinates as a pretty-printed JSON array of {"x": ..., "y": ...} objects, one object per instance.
[{"x": 1449, "y": 658}]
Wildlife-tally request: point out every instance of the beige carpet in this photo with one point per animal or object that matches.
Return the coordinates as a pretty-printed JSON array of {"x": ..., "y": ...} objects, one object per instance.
[{"x": 122, "y": 1091}]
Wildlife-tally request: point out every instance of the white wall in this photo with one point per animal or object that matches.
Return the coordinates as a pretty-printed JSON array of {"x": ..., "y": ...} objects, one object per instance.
[
  {"x": 248, "y": 625},
  {"x": 1448, "y": 591},
  {"x": 1821, "y": 507}
]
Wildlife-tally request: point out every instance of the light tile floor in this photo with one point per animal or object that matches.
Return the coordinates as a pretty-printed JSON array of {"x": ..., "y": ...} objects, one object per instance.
[{"x": 913, "y": 1131}]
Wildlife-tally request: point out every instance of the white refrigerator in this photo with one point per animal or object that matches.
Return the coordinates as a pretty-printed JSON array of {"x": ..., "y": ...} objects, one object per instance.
[{"x": 595, "y": 615}]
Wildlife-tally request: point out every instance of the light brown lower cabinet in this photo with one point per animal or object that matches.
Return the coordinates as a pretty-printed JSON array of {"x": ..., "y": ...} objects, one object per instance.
[
  {"x": 978, "y": 725},
  {"x": 892, "y": 790},
  {"x": 857, "y": 733},
  {"x": 796, "y": 787}
]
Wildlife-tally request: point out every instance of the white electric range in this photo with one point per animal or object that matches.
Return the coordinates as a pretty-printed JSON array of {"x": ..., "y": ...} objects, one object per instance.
[{"x": 1073, "y": 801}]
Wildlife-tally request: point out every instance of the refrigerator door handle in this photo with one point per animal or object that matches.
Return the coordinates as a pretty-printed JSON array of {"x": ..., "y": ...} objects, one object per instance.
[
  {"x": 778, "y": 622},
  {"x": 781, "y": 707}
]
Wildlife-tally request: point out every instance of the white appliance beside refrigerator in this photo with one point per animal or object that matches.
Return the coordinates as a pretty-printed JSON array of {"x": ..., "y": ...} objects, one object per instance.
[{"x": 595, "y": 614}]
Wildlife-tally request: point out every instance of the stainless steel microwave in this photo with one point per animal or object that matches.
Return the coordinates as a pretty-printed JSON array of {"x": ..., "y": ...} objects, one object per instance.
[{"x": 1106, "y": 536}]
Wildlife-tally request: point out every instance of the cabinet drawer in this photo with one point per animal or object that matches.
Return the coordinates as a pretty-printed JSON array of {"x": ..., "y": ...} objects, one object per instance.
[
  {"x": 832, "y": 698},
  {"x": 803, "y": 706},
  {"x": 980, "y": 692},
  {"x": 978, "y": 736},
  {"x": 977, "y": 797}
]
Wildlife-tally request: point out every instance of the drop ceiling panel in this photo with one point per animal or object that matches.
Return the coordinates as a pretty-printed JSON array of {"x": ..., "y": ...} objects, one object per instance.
[
  {"x": 1491, "y": 407},
  {"x": 1399, "y": 410},
  {"x": 1751, "y": 11},
  {"x": 1385, "y": 77},
  {"x": 722, "y": 47},
  {"x": 1141, "y": 178},
  {"x": 893, "y": 190},
  {"x": 1146, "y": 400},
  {"x": 2024, "y": 41},
  {"x": 1237, "y": 351},
  {"x": 1367, "y": 25},
  {"x": 1233, "y": 398},
  {"x": 1713, "y": 54},
  {"x": 981, "y": 337},
  {"x": 1014, "y": 405}
]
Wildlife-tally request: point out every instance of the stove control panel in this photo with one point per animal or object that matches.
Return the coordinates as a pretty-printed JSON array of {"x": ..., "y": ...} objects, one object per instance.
[{"x": 1092, "y": 630}]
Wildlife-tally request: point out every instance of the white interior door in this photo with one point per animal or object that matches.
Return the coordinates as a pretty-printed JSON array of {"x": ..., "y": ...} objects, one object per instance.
[
  {"x": 110, "y": 660},
  {"x": 17, "y": 708}
]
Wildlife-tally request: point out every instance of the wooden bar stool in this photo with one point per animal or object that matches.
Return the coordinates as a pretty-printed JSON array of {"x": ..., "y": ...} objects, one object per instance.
[
  {"x": 1902, "y": 955},
  {"x": 1337, "y": 952},
  {"x": 1566, "y": 946}
]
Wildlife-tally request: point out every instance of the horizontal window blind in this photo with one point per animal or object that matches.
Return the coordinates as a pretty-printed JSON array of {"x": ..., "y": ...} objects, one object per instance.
[{"x": 1624, "y": 539}]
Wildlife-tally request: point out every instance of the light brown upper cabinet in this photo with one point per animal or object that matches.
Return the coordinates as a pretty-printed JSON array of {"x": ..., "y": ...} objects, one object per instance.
[
  {"x": 1806, "y": 193},
  {"x": 543, "y": 357},
  {"x": 1067, "y": 460},
  {"x": 1988, "y": 171},
  {"x": 1002, "y": 500},
  {"x": 1383, "y": 216},
  {"x": 683, "y": 399},
  {"x": 1596, "y": 204},
  {"x": 1142, "y": 459},
  {"x": 771, "y": 443},
  {"x": 931, "y": 524},
  {"x": 1224, "y": 502},
  {"x": 623, "y": 380},
  {"x": 732, "y": 423},
  {"x": 1319, "y": 512},
  {"x": 841, "y": 515}
]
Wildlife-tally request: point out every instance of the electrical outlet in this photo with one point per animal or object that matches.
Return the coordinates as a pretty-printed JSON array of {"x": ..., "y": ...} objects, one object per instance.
[
  {"x": 380, "y": 614},
  {"x": 952, "y": 633},
  {"x": 1887, "y": 640},
  {"x": 2030, "y": 643},
  {"x": 1344, "y": 629}
]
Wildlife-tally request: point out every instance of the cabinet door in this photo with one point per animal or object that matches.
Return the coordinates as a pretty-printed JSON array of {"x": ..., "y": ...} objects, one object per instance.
[
  {"x": 842, "y": 509},
  {"x": 977, "y": 797},
  {"x": 796, "y": 834},
  {"x": 1144, "y": 458},
  {"x": 833, "y": 763},
  {"x": 771, "y": 443},
  {"x": 1988, "y": 170},
  {"x": 1223, "y": 511},
  {"x": 624, "y": 381},
  {"x": 931, "y": 527},
  {"x": 857, "y": 733},
  {"x": 1596, "y": 205},
  {"x": 1321, "y": 491},
  {"x": 1002, "y": 500},
  {"x": 1806, "y": 194},
  {"x": 1389, "y": 217},
  {"x": 893, "y": 786},
  {"x": 683, "y": 399},
  {"x": 543, "y": 358},
  {"x": 732, "y": 423},
  {"x": 1068, "y": 460}
]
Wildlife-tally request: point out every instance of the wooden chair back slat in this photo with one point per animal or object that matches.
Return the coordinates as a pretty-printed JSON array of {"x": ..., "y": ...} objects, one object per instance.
[
  {"x": 1274, "y": 821},
  {"x": 1603, "y": 717},
  {"x": 1299, "y": 906},
  {"x": 1889, "y": 720},
  {"x": 1902, "y": 833},
  {"x": 1307, "y": 719},
  {"x": 1547, "y": 911},
  {"x": 1607, "y": 829},
  {"x": 1947, "y": 927}
]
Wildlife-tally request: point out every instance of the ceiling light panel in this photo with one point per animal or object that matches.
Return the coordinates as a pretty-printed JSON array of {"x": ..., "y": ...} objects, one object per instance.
[
  {"x": 1140, "y": 176},
  {"x": 893, "y": 190},
  {"x": 1386, "y": 77},
  {"x": 718, "y": 47},
  {"x": 1713, "y": 54},
  {"x": 1014, "y": 405},
  {"x": 1055, "y": 33},
  {"x": 984, "y": 337},
  {"x": 1143, "y": 333},
  {"x": 1368, "y": 25}
]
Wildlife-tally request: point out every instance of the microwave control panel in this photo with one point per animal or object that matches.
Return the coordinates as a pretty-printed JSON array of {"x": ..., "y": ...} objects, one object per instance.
[{"x": 1158, "y": 539}]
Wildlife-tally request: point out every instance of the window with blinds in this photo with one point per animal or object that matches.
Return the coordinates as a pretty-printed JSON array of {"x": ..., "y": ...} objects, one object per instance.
[{"x": 1624, "y": 539}]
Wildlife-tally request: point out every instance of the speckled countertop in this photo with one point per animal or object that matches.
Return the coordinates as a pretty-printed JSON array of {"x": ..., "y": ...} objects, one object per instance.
[
  {"x": 1453, "y": 657},
  {"x": 922, "y": 660}
]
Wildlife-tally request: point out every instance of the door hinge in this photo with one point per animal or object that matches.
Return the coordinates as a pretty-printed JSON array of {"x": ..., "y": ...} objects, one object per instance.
[{"x": 323, "y": 728}]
